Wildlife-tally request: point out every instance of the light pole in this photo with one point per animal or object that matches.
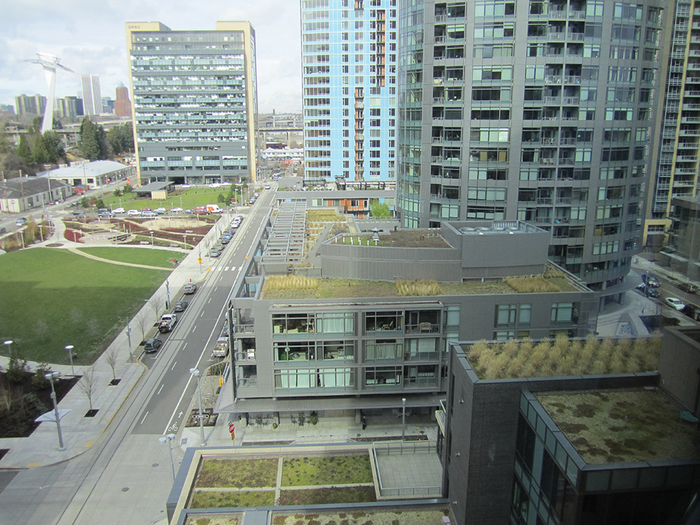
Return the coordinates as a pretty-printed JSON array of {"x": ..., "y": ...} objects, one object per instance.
[
  {"x": 184, "y": 240},
  {"x": 128, "y": 336},
  {"x": 403, "y": 419},
  {"x": 195, "y": 373},
  {"x": 167, "y": 294},
  {"x": 70, "y": 355},
  {"x": 151, "y": 238},
  {"x": 51, "y": 376},
  {"x": 8, "y": 344},
  {"x": 167, "y": 439}
]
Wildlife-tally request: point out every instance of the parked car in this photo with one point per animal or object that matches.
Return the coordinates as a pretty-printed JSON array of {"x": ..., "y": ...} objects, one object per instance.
[
  {"x": 148, "y": 214},
  {"x": 675, "y": 303},
  {"x": 176, "y": 210},
  {"x": 650, "y": 280},
  {"x": 77, "y": 213},
  {"x": 133, "y": 212},
  {"x": 159, "y": 211},
  {"x": 691, "y": 311},
  {"x": 21, "y": 221},
  {"x": 152, "y": 345},
  {"x": 180, "y": 306},
  {"x": 650, "y": 292},
  {"x": 267, "y": 186},
  {"x": 106, "y": 214},
  {"x": 3, "y": 230},
  {"x": 215, "y": 253},
  {"x": 688, "y": 287},
  {"x": 190, "y": 288},
  {"x": 117, "y": 211},
  {"x": 201, "y": 210}
]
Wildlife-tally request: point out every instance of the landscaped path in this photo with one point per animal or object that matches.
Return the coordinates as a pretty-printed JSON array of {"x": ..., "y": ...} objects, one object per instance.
[{"x": 110, "y": 261}]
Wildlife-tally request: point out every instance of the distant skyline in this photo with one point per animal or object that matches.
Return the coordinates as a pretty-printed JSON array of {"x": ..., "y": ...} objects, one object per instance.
[{"x": 90, "y": 38}]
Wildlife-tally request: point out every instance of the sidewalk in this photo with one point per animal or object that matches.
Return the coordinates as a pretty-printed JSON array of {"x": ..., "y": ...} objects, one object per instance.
[{"x": 79, "y": 432}]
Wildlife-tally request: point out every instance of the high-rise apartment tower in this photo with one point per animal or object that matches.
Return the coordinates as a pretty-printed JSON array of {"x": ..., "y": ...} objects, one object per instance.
[
  {"x": 540, "y": 111},
  {"x": 349, "y": 83},
  {"x": 195, "y": 101}
]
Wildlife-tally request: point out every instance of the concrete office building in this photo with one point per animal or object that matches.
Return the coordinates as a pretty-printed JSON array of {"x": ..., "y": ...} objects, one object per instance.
[
  {"x": 92, "y": 95},
  {"x": 365, "y": 345},
  {"x": 535, "y": 111},
  {"x": 68, "y": 108},
  {"x": 349, "y": 89},
  {"x": 676, "y": 144},
  {"x": 195, "y": 101}
]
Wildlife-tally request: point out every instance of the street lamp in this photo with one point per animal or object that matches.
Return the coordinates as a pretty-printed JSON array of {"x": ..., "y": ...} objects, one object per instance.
[
  {"x": 167, "y": 294},
  {"x": 9, "y": 347},
  {"x": 128, "y": 335},
  {"x": 195, "y": 373},
  {"x": 151, "y": 238},
  {"x": 70, "y": 355},
  {"x": 51, "y": 376},
  {"x": 167, "y": 439},
  {"x": 403, "y": 419}
]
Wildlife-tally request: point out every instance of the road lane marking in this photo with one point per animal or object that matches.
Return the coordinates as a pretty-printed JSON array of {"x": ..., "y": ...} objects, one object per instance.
[
  {"x": 226, "y": 269},
  {"x": 173, "y": 368},
  {"x": 178, "y": 404},
  {"x": 144, "y": 418},
  {"x": 195, "y": 328},
  {"x": 161, "y": 387}
]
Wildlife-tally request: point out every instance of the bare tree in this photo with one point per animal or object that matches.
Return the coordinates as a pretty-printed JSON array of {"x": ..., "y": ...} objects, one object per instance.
[
  {"x": 111, "y": 358},
  {"x": 87, "y": 384},
  {"x": 155, "y": 302},
  {"x": 142, "y": 324}
]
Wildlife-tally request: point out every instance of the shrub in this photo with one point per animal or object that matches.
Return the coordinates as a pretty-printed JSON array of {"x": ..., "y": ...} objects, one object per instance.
[
  {"x": 418, "y": 288},
  {"x": 18, "y": 370},
  {"x": 39, "y": 381},
  {"x": 532, "y": 284}
]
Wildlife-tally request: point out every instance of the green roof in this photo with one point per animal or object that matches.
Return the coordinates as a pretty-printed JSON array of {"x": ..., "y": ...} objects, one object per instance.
[{"x": 623, "y": 426}]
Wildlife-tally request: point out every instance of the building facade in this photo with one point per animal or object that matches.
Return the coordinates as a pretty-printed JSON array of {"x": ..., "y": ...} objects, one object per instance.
[
  {"x": 349, "y": 89},
  {"x": 538, "y": 111},
  {"x": 92, "y": 95},
  {"x": 30, "y": 105},
  {"x": 195, "y": 101},
  {"x": 68, "y": 108},
  {"x": 676, "y": 143}
]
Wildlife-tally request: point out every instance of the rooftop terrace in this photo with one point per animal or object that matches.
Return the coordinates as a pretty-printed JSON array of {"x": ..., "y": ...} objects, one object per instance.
[
  {"x": 297, "y": 287},
  {"x": 623, "y": 426}
]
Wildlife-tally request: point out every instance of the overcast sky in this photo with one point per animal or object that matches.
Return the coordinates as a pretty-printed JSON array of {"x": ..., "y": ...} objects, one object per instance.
[{"x": 89, "y": 37}]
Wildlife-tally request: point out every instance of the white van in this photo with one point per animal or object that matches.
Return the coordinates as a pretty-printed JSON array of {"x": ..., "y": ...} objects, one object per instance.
[{"x": 214, "y": 208}]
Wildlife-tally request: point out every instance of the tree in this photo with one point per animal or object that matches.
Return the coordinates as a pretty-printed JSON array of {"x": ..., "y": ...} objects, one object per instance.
[
  {"x": 379, "y": 210},
  {"x": 121, "y": 139},
  {"x": 24, "y": 150},
  {"x": 93, "y": 140},
  {"x": 155, "y": 302},
  {"x": 88, "y": 385},
  {"x": 111, "y": 358},
  {"x": 142, "y": 323},
  {"x": 39, "y": 381}
]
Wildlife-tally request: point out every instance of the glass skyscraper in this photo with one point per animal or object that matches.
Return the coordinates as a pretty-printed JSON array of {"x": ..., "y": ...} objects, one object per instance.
[
  {"x": 540, "y": 111},
  {"x": 349, "y": 89},
  {"x": 195, "y": 101}
]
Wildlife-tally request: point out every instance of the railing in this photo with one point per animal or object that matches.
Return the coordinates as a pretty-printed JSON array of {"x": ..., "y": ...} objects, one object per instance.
[{"x": 404, "y": 447}]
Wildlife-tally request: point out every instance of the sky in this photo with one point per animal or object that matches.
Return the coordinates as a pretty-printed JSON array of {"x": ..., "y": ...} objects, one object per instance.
[{"x": 89, "y": 37}]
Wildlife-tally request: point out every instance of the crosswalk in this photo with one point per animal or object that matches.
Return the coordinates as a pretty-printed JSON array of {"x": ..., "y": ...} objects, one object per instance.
[{"x": 225, "y": 269}]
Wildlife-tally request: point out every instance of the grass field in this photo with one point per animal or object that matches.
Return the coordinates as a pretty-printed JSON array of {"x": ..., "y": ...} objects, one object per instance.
[
  {"x": 52, "y": 298},
  {"x": 186, "y": 199},
  {"x": 147, "y": 256}
]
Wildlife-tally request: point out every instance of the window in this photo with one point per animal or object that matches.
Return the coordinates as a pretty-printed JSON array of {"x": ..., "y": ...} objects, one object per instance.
[
  {"x": 387, "y": 375},
  {"x": 563, "y": 313},
  {"x": 383, "y": 349},
  {"x": 378, "y": 321}
]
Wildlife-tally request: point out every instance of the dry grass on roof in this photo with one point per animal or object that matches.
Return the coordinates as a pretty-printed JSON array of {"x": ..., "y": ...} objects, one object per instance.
[{"x": 563, "y": 357}]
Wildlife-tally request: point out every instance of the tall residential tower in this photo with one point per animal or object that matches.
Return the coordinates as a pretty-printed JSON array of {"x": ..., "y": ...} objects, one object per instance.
[
  {"x": 349, "y": 77},
  {"x": 540, "y": 111},
  {"x": 92, "y": 95},
  {"x": 195, "y": 101}
]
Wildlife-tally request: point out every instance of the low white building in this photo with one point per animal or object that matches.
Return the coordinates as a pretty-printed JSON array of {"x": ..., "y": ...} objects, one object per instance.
[
  {"x": 26, "y": 193},
  {"x": 90, "y": 175}
]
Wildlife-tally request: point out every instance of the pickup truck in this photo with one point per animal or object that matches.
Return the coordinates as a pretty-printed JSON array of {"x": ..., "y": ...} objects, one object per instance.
[
  {"x": 221, "y": 348},
  {"x": 167, "y": 322}
]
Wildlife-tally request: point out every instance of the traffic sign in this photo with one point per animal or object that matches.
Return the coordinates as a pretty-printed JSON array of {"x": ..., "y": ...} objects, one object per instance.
[{"x": 231, "y": 428}]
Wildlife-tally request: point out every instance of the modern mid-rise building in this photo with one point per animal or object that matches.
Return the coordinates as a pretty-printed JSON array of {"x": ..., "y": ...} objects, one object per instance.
[
  {"x": 373, "y": 328},
  {"x": 30, "y": 104},
  {"x": 536, "y": 111},
  {"x": 92, "y": 95},
  {"x": 349, "y": 88},
  {"x": 195, "y": 101},
  {"x": 68, "y": 108},
  {"x": 122, "y": 106}
]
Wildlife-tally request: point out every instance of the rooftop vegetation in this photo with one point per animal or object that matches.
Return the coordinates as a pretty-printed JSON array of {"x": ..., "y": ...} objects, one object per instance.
[
  {"x": 299, "y": 287},
  {"x": 622, "y": 426},
  {"x": 398, "y": 239},
  {"x": 562, "y": 357}
]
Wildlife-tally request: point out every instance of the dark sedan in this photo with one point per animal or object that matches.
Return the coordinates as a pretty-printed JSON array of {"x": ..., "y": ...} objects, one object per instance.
[
  {"x": 180, "y": 306},
  {"x": 152, "y": 345}
]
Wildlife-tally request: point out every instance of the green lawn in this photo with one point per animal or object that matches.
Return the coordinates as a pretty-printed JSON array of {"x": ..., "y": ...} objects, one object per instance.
[
  {"x": 239, "y": 473},
  {"x": 215, "y": 499},
  {"x": 190, "y": 199},
  {"x": 53, "y": 298},
  {"x": 147, "y": 256}
]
